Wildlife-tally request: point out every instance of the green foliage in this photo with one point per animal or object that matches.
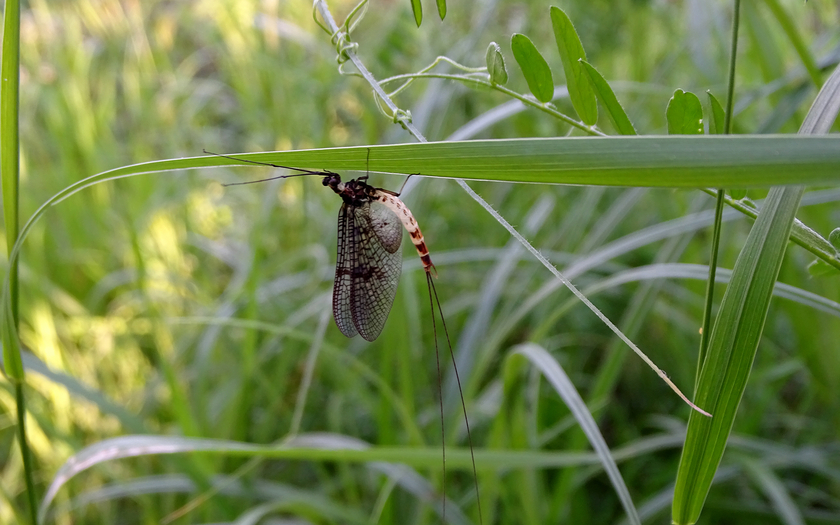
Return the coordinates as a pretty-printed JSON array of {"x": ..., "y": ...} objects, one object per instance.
[
  {"x": 571, "y": 53},
  {"x": 717, "y": 116},
  {"x": 181, "y": 363},
  {"x": 684, "y": 114},
  {"x": 534, "y": 67},
  {"x": 605, "y": 94},
  {"x": 496, "y": 64},
  {"x": 417, "y": 9}
]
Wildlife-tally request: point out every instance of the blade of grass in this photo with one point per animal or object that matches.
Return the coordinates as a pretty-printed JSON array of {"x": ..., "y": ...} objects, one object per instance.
[
  {"x": 698, "y": 271},
  {"x": 785, "y": 21},
  {"x": 651, "y": 161},
  {"x": 737, "y": 331},
  {"x": 731, "y": 351},
  {"x": 336, "y": 448},
  {"x": 567, "y": 391},
  {"x": 775, "y": 491}
]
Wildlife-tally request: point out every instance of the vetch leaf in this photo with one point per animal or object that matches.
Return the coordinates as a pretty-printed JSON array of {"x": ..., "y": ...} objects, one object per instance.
[
  {"x": 684, "y": 114},
  {"x": 417, "y": 9},
  {"x": 607, "y": 97},
  {"x": 571, "y": 52},
  {"x": 534, "y": 67},
  {"x": 496, "y": 64},
  {"x": 441, "y": 7},
  {"x": 718, "y": 117}
]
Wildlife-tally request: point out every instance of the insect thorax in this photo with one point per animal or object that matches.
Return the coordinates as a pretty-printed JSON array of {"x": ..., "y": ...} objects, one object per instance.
[{"x": 354, "y": 192}]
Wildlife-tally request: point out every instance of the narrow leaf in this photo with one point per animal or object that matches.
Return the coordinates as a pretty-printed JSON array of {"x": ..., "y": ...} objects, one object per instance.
[
  {"x": 534, "y": 67},
  {"x": 496, "y": 64},
  {"x": 564, "y": 387},
  {"x": 684, "y": 114},
  {"x": 10, "y": 170},
  {"x": 571, "y": 52},
  {"x": 607, "y": 97},
  {"x": 718, "y": 116},
  {"x": 417, "y": 9},
  {"x": 441, "y": 7},
  {"x": 739, "y": 325},
  {"x": 786, "y": 22},
  {"x": 732, "y": 348}
]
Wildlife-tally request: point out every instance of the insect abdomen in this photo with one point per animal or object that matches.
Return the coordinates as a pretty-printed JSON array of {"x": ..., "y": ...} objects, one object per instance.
[{"x": 397, "y": 206}]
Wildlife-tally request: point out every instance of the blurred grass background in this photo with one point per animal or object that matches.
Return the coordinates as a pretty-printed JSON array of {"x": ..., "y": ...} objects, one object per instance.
[{"x": 115, "y": 279}]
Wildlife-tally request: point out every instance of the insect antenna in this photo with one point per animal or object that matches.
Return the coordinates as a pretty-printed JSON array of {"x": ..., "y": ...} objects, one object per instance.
[
  {"x": 433, "y": 291},
  {"x": 367, "y": 167},
  {"x": 303, "y": 172},
  {"x": 404, "y": 183}
]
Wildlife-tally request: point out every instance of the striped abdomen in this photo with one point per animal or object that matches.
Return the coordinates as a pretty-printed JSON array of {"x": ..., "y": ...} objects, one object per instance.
[{"x": 393, "y": 203}]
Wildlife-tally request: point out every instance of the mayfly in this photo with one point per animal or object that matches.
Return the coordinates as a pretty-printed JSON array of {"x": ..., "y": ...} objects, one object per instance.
[{"x": 369, "y": 263}]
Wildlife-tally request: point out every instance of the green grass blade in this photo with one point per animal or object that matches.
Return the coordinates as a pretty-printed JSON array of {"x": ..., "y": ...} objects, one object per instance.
[
  {"x": 785, "y": 21},
  {"x": 607, "y": 97},
  {"x": 534, "y": 67},
  {"x": 571, "y": 53},
  {"x": 737, "y": 331},
  {"x": 650, "y": 161},
  {"x": 684, "y": 114},
  {"x": 699, "y": 272},
  {"x": 78, "y": 389},
  {"x": 775, "y": 491},
  {"x": 555, "y": 375},
  {"x": 825, "y": 108},
  {"x": 732, "y": 348},
  {"x": 337, "y": 448}
]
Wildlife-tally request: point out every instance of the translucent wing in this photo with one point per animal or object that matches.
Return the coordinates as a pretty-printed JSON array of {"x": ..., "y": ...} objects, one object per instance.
[
  {"x": 367, "y": 270},
  {"x": 346, "y": 261},
  {"x": 377, "y": 273},
  {"x": 386, "y": 226}
]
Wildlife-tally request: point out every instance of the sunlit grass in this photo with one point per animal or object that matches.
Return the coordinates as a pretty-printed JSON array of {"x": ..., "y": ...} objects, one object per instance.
[{"x": 112, "y": 275}]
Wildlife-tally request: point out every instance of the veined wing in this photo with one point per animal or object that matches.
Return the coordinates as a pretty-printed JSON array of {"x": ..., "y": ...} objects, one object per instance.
[
  {"x": 378, "y": 263},
  {"x": 346, "y": 261}
]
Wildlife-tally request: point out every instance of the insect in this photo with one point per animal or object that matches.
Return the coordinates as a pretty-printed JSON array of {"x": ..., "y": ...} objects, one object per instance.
[{"x": 369, "y": 263}]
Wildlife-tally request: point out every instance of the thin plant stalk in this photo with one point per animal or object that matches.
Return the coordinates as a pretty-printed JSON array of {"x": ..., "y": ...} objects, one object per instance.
[
  {"x": 721, "y": 196},
  {"x": 10, "y": 168}
]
